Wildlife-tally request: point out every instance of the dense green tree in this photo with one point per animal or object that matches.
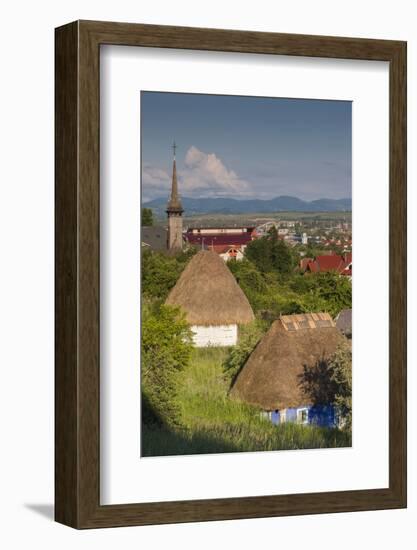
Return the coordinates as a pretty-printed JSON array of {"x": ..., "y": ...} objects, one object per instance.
[
  {"x": 328, "y": 291},
  {"x": 271, "y": 294},
  {"x": 166, "y": 347},
  {"x": 258, "y": 252},
  {"x": 341, "y": 365},
  {"x": 247, "y": 275},
  {"x": 160, "y": 272},
  {"x": 282, "y": 257},
  {"x": 335, "y": 290},
  {"x": 271, "y": 254},
  {"x": 147, "y": 217}
]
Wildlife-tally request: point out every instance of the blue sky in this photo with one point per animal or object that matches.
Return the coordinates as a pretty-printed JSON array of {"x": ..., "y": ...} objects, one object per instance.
[{"x": 245, "y": 147}]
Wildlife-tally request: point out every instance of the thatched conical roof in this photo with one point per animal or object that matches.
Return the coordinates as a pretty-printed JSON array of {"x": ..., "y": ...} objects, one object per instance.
[
  {"x": 271, "y": 376},
  {"x": 208, "y": 293}
]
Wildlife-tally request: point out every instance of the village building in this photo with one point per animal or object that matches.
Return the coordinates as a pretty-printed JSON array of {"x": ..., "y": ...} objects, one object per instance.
[
  {"x": 344, "y": 322},
  {"x": 227, "y": 253},
  {"x": 328, "y": 262},
  {"x": 228, "y": 242},
  {"x": 213, "y": 302},
  {"x": 287, "y": 223},
  {"x": 283, "y": 231},
  {"x": 154, "y": 238},
  {"x": 271, "y": 378}
]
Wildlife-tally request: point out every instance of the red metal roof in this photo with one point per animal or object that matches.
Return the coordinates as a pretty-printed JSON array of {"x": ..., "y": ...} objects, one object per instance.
[
  {"x": 332, "y": 262},
  {"x": 237, "y": 239},
  {"x": 312, "y": 266}
]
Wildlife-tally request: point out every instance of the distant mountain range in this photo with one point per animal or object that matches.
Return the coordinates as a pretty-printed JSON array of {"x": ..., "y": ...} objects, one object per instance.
[{"x": 234, "y": 206}]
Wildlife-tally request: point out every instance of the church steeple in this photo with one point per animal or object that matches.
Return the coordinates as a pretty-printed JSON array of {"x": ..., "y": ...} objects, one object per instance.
[
  {"x": 174, "y": 204},
  {"x": 174, "y": 211}
]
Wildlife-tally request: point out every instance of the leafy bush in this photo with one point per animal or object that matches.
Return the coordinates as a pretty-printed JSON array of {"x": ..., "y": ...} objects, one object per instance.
[
  {"x": 166, "y": 350},
  {"x": 270, "y": 254},
  {"x": 341, "y": 364},
  {"x": 147, "y": 216},
  {"x": 273, "y": 294},
  {"x": 237, "y": 355},
  {"x": 160, "y": 272}
]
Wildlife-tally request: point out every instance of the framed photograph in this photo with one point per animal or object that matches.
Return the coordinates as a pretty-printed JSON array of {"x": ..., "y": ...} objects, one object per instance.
[{"x": 217, "y": 357}]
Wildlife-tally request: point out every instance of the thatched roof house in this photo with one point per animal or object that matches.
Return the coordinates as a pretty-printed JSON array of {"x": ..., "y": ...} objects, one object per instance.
[
  {"x": 271, "y": 376},
  {"x": 213, "y": 302}
]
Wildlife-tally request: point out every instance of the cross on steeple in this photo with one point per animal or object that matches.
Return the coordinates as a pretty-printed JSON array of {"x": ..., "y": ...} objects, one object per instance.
[{"x": 174, "y": 148}]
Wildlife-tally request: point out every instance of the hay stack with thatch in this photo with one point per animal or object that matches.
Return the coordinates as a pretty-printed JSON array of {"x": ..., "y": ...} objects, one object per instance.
[
  {"x": 213, "y": 302},
  {"x": 272, "y": 376}
]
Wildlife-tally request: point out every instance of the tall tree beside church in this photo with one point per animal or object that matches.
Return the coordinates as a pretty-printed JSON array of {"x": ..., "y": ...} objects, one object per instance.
[{"x": 147, "y": 217}]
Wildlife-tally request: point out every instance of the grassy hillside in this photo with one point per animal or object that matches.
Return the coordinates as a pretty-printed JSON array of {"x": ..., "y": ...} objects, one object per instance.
[{"x": 210, "y": 422}]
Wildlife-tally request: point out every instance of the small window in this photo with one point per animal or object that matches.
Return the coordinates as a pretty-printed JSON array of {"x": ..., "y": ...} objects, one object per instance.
[{"x": 302, "y": 416}]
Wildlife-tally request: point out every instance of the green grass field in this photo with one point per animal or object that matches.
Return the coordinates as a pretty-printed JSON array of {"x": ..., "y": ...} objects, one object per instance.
[{"x": 213, "y": 423}]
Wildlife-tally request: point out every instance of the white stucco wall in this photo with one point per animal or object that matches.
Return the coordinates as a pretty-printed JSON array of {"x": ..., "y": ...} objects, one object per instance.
[
  {"x": 221, "y": 335},
  {"x": 225, "y": 256}
]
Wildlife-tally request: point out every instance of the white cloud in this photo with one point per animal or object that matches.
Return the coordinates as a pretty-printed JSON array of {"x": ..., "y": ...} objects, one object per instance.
[
  {"x": 203, "y": 175},
  {"x": 206, "y": 174},
  {"x": 155, "y": 182},
  {"x": 154, "y": 177}
]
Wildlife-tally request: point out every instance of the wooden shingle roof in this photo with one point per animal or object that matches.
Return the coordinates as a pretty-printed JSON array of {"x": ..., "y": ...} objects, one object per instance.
[{"x": 306, "y": 321}]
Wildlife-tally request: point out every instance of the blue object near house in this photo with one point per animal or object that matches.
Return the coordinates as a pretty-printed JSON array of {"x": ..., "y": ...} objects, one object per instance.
[
  {"x": 320, "y": 415},
  {"x": 275, "y": 417}
]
